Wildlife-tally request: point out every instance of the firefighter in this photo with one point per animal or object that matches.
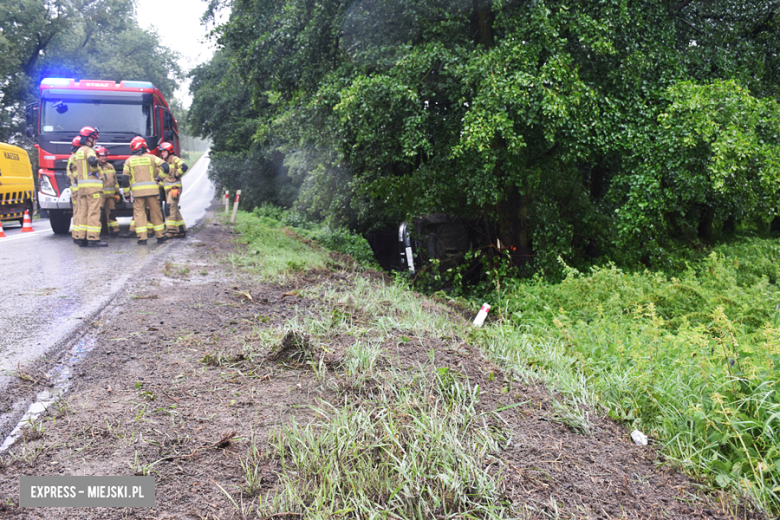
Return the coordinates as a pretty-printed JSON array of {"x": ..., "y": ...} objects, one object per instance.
[
  {"x": 70, "y": 171},
  {"x": 90, "y": 185},
  {"x": 143, "y": 167},
  {"x": 174, "y": 223},
  {"x": 110, "y": 190}
]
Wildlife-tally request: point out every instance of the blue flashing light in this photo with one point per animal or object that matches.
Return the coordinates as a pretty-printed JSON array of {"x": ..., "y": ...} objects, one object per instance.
[
  {"x": 56, "y": 81},
  {"x": 137, "y": 84}
]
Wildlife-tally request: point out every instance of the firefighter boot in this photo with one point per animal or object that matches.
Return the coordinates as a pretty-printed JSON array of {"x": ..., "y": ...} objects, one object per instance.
[{"x": 94, "y": 243}]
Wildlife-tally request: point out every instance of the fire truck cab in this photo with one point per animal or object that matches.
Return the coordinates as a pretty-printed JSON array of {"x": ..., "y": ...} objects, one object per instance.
[{"x": 120, "y": 111}]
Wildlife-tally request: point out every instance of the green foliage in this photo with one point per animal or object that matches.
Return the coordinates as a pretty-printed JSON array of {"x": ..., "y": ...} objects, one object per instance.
[
  {"x": 587, "y": 130},
  {"x": 74, "y": 39},
  {"x": 260, "y": 178},
  {"x": 221, "y": 107},
  {"x": 693, "y": 360},
  {"x": 335, "y": 239},
  {"x": 715, "y": 155}
]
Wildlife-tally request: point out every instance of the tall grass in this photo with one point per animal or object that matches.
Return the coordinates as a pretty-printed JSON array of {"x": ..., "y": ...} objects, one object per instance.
[
  {"x": 396, "y": 443},
  {"x": 271, "y": 254},
  {"x": 416, "y": 449},
  {"x": 341, "y": 240},
  {"x": 692, "y": 359}
]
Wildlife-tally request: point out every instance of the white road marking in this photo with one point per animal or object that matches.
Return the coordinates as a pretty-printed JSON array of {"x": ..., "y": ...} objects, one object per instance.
[{"x": 24, "y": 235}]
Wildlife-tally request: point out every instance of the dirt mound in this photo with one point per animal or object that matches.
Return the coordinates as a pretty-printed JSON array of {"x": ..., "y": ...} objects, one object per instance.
[{"x": 295, "y": 347}]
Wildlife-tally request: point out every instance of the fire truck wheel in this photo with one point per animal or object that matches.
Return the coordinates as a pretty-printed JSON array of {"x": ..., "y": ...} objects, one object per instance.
[{"x": 60, "y": 221}]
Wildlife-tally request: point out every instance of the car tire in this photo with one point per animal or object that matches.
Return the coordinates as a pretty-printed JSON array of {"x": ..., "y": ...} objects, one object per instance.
[{"x": 60, "y": 221}]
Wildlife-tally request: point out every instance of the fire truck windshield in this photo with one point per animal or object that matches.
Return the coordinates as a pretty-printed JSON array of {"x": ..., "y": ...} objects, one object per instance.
[{"x": 70, "y": 114}]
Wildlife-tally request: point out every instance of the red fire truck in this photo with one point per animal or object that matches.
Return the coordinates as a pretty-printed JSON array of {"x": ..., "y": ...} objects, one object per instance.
[{"x": 120, "y": 111}]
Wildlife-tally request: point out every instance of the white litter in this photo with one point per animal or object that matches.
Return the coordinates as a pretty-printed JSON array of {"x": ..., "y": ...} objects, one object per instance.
[{"x": 639, "y": 438}]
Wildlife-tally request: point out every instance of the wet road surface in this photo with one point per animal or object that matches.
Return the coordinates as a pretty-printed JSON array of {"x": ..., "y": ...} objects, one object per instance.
[{"x": 45, "y": 299}]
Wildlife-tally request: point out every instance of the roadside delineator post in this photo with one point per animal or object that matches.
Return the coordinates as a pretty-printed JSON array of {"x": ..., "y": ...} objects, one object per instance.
[
  {"x": 235, "y": 207},
  {"x": 481, "y": 315},
  {"x": 27, "y": 223},
  {"x": 227, "y": 201}
]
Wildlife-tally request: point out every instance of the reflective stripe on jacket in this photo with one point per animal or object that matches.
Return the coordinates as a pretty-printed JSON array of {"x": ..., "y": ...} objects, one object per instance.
[
  {"x": 89, "y": 179},
  {"x": 174, "y": 174},
  {"x": 142, "y": 170},
  {"x": 70, "y": 170},
  {"x": 110, "y": 184}
]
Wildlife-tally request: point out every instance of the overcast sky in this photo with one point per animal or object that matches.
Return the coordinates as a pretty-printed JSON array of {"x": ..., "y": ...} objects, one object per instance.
[{"x": 178, "y": 24}]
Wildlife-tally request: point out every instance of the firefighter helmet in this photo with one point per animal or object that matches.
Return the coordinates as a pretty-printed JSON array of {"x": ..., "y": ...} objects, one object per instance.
[
  {"x": 166, "y": 147},
  {"x": 88, "y": 131},
  {"x": 76, "y": 141},
  {"x": 137, "y": 143},
  {"x": 100, "y": 150}
]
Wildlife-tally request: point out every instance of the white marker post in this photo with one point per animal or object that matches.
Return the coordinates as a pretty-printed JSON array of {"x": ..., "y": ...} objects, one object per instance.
[
  {"x": 227, "y": 201},
  {"x": 235, "y": 207},
  {"x": 481, "y": 315}
]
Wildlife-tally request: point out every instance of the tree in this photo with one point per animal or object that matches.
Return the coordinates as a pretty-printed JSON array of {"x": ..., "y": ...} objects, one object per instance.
[
  {"x": 74, "y": 38},
  {"x": 714, "y": 155},
  {"x": 537, "y": 115}
]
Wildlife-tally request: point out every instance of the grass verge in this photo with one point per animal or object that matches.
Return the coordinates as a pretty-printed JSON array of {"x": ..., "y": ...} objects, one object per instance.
[
  {"x": 396, "y": 443},
  {"x": 270, "y": 254},
  {"x": 393, "y": 429},
  {"x": 693, "y": 360}
]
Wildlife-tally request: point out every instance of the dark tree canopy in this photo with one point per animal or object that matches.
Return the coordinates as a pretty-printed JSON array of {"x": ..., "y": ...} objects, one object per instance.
[{"x": 578, "y": 128}]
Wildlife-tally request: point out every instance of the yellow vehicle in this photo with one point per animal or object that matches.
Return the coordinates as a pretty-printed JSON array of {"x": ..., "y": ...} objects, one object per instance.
[{"x": 16, "y": 183}]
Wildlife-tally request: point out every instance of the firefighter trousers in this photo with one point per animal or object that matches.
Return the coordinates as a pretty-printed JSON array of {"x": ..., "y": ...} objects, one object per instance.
[
  {"x": 89, "y": 207},
  {"x": 149, "y": 226},
  {"x": 109, "y": 210},
  {"x": 140, "y": 206},
  {"x": 74, "y": 201},
  {"x": 174, "y": 223}
]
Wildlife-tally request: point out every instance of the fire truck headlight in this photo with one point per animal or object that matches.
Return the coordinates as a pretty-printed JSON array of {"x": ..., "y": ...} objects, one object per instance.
[{"x": 46, "y": 187}]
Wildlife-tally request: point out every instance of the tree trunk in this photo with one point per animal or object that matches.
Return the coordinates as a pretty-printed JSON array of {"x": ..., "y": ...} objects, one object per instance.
[
  {"x": 596, "y": 183},
  {"x": 775, "y": 225},
  {"x": 705, "y": 224},
  {"x": 482, "y": 18},
  {"x": 514, "y": 228},
  {"x": 731, "y": 224}
]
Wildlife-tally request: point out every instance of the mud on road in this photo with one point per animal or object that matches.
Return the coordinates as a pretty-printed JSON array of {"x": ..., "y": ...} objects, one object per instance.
[{"x": 183, "y": 377}]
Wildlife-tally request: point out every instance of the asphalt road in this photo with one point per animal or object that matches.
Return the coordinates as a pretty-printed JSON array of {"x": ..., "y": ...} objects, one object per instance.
[{"x": 45, "y": 298}]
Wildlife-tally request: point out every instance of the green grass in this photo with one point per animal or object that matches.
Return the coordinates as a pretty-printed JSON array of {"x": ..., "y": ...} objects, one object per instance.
[
  {"x": 393, "y": 443},
  {"x": 270, "y": 254},
  {"x": 192, "y": 158},
  {"x": 336, "y": 239},
  {"x": 693, "y": 360},
  {"x": 414, "y": 450}
]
